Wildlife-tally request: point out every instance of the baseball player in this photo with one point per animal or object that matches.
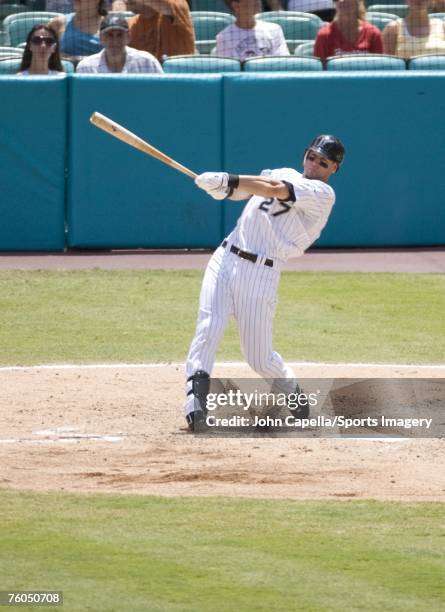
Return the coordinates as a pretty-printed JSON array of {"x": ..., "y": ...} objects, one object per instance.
[{"x": 285, "y": 214}]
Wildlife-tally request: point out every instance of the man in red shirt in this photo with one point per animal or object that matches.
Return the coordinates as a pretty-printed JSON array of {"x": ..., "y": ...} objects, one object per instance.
[{"x": 348, "y": 33}]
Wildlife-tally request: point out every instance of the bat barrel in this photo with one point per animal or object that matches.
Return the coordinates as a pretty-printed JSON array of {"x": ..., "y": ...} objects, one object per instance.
[{"x": 118, "y": 131}]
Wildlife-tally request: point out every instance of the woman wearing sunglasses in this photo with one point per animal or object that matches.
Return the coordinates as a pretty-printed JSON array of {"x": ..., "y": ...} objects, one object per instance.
[{"x": 41, "y": 54}]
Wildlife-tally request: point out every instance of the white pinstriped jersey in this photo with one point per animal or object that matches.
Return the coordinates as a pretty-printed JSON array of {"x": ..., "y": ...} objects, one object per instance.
[
  {"x": 278, "y": 229},
  {"x": 247, "y": 290}
]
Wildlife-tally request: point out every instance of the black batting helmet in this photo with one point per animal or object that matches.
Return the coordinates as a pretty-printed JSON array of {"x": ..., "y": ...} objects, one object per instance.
[{"x": 329, "y": 146}]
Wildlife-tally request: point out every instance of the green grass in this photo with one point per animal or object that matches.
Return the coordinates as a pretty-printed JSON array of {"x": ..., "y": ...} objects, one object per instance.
[
  {"x": 149, "y": 316},
  {"x": 110, "y": 553},
  {"x": 147, "y": 553}
]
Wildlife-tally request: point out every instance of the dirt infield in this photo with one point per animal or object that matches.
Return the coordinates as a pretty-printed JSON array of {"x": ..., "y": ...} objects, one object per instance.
[{"x": 121, "y": 430}]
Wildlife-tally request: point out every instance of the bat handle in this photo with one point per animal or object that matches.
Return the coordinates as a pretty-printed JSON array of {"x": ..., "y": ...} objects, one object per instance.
[{"x": 189, "y": 173}]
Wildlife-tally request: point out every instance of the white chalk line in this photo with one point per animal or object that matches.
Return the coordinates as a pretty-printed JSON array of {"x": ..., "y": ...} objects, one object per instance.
[
  {"x": 222, "y": 364},
  {"x": 64, "y": 435},
  {"x": 69, "y": 435}
]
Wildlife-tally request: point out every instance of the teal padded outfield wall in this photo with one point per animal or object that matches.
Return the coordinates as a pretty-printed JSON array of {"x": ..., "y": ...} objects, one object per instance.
[
  {"x": 32, "y": 163},
  {"x": 390, "y": 191},
  {"x": 120, "y": 197}
]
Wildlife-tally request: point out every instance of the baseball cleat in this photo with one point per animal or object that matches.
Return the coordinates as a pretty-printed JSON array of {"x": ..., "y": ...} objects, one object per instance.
[
  {"x": 196, "y": 421},
  {"x": 302, "y": 410}
]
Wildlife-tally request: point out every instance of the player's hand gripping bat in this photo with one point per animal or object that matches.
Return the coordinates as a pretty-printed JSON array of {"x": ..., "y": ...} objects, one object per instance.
[{"x": 116, "y": 130}]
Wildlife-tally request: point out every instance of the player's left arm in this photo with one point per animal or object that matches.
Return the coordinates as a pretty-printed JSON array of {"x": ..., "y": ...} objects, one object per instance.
[
  {"x": 221, "y": 185},
  {"x": 263, "y": 186}
]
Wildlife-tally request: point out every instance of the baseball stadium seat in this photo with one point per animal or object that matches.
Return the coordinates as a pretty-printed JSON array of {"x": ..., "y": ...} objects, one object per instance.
[
  {"x": 394, "y": 9},
  {"x": 200, "y": 63},
  {"x": 389, "y": 16},
  {"x": 207, "y": 24},
  {"x": 282, "y": 64},
  {"x": 369, "y": 2},
  {"x": 11, "y": 51},
  {"x": 40, "y": 5},
  {"x": 380, "y": 20},
  {"x": 306, "y": 49},
  {"x": 11, "y": 9},
  {"x": 18, "y": 25},
  {"x": 427, "y": 62},
  {"x": 289, "y": 20},
  {"x": 368, "y": 61},
  {"x": 210, "y": 5},
  {"x": 297, "y": 27},
  {"x": 68, "y": 66},
  {"x": 11, "y": 66}
]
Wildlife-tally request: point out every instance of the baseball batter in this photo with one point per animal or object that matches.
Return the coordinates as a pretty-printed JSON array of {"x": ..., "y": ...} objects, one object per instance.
[{"x": 285, "y": 214}]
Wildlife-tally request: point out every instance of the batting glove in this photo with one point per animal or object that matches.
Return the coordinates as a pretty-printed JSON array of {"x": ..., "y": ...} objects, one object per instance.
[
  {"x": 219, "y": 185},
  {"x": 213, "y": 182}
]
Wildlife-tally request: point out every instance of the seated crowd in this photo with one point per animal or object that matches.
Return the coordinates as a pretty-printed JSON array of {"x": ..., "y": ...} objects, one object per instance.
[
  {"x": 349, "y": 32},
  {"x": 99, "y": 41}
]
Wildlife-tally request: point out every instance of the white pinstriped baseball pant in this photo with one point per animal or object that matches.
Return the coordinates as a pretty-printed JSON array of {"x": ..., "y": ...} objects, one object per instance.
[{"x": 248, "y": 291}]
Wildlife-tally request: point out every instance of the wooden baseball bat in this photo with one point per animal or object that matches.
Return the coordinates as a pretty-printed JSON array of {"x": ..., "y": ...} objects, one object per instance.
[{"x": 116, "y": 130}]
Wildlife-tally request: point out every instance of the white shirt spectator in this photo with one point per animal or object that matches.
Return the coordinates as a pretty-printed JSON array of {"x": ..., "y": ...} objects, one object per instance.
[
  {"x": 262, "y": 40},
  {"x": 136, "y": 61}
]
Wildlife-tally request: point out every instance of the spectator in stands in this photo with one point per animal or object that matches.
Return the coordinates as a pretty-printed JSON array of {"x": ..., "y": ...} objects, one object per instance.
[
  {"x": 247, "y": 37},
  {"x": 437, "y": 6},
  {"x": 59, "y": 6},
  {"x": 273, "y": 5},
  {"x": 349, "y": 32},
  {"x": 116, "y": 56},
  {"x": 41, "y": 54},
  {"x": 325, "y": 9},
  {"x": 161, "y": 27},
  {"x": 416, "y": 34},
  {"x": 79, "y": 31}
]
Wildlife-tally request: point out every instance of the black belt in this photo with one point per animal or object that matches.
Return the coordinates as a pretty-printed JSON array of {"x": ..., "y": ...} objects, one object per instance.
[{"x": 246, "y": 255}]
